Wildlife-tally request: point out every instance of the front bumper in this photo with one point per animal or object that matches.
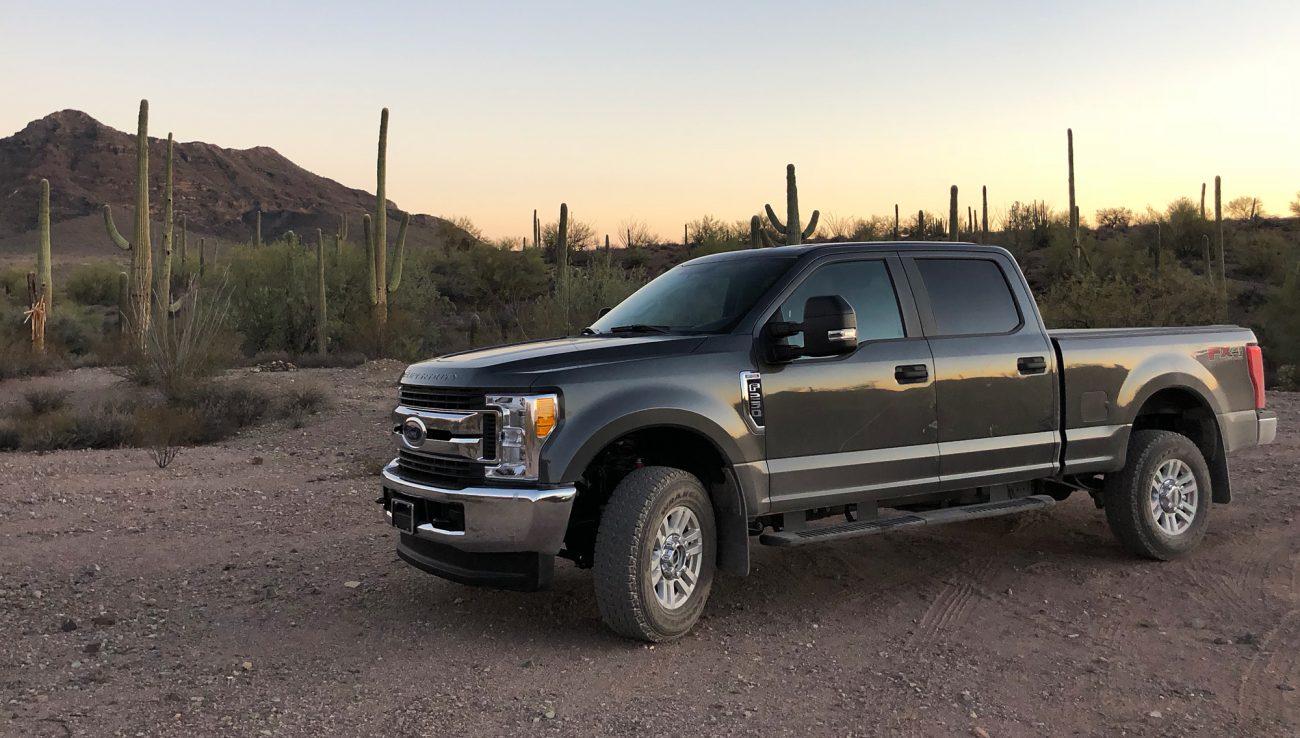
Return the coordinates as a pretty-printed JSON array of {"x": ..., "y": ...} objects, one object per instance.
[{"x": 488, "y": 519}]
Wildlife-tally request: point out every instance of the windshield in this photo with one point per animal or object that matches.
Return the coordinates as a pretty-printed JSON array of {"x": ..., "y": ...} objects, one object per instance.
[{"x": 706, "y": 297}]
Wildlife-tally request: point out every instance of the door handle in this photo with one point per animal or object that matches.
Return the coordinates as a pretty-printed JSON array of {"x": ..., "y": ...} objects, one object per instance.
[
  {"x": 1031, "y": 364},
  {"x": 911, "y": 373}
]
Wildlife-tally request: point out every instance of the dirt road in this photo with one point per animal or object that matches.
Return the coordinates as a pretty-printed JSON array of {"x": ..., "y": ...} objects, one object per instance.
[{"x": 251, "y": 589}]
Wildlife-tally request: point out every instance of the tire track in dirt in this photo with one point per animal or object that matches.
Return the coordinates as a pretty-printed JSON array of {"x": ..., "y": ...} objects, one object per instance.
[
  {"x": 1270, "y": 683},
  {"x": 949, "y": 608}
]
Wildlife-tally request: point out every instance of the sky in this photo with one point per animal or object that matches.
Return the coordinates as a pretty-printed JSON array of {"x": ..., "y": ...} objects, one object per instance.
[{"x": 666, "y": 111}]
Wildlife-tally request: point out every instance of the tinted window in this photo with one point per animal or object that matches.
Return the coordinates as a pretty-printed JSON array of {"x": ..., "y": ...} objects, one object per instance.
[
  {"x": 698, "y": 297},
  {"x": 969, "y": 296},
  {"x": 867, "y": 287}
]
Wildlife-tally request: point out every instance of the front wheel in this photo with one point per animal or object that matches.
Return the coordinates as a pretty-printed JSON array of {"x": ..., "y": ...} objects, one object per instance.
[
  {"x": 655, "y": 552},
  {"x": 1158, "y": 506}
]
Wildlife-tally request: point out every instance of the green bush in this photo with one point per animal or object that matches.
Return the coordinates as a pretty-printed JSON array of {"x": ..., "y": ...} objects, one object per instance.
[
  {"x": 1174, "y": 297},
  {"x": 93, "y": 284},
  {"x": 42, "y": 401},
  {"x": 223, "y": 409}
]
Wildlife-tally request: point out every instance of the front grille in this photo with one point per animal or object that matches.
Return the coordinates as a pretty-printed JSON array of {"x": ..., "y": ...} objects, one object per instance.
[
  {"x": 437, "y": 470},
  {"x": 489, "y": 436},
  {"x": 441, "y": 398}
]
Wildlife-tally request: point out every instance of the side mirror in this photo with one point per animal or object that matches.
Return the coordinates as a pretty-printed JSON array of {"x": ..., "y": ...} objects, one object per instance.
[
  {"x": 830, "y": 327},
  {"x": 604, "y": 311}
]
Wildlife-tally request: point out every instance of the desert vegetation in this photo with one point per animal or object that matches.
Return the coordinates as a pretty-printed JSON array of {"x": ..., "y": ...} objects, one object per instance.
[{"x": 176, "y": 319}]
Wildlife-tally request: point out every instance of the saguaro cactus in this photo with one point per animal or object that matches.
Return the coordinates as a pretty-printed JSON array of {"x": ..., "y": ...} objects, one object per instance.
[
  {"x": 257, "y": 229},
  {"x": 43, "y": 268},
  {"x": 1218, "y": 233},
  {"x": 537, "y": 232},
  {"x": 920, "y": 225},
  {"x": 895, "y": 221},
  {"x": 1202, "y": 201},
  {"x": 984, "y": 215},
  {"x": 794, "y": 232},
  {"x": 382, "y": 282},
  {"x": 141, "y": 279},
  {"x": 954, "y": 225},
  {"x": 163, "y": 279},
  {"x": 322, "y": 333},
  {"x": 36, "y": 313},
  {"x": 202, "y": 257},
  {"x": 1074, "y": 210},
  {"x": 562, "y": 259}
]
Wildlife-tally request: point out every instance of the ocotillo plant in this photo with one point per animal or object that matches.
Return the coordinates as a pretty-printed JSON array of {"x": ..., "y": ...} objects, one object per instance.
[
  {"x": 383, "y": 282},
  {"x": 562, "y": 259},
  {"x": 140, "y": 248},
  {"x": 954, "y": 226},
  {"x": 1218, "y": 231},
  {"x": 895, "y": 221},
  {"x": 322, "y": 333},
  {"x": 984, "y": 216},
  {"x": 794, "y": 232},
  {"x": 43, "y": 269}
]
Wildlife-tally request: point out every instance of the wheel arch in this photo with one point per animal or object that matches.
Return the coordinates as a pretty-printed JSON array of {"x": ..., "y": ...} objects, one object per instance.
[{"x": 1185, "y": 409}]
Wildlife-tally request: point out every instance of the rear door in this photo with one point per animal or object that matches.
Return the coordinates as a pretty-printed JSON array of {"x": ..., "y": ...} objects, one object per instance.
[
  {"x": 858, "y": 426},
  {"x": 995, "y": 371}
]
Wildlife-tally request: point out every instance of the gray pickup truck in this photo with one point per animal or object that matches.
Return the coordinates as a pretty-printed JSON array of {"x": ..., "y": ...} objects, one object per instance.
[{"x": 754, "y": 393}]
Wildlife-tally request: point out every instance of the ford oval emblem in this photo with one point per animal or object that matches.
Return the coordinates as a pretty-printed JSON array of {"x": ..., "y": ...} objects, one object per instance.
[{"x": 414, "y": 432}]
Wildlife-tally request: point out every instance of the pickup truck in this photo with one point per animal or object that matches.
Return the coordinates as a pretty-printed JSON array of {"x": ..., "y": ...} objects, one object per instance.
[{"x": 757, "y": 394}]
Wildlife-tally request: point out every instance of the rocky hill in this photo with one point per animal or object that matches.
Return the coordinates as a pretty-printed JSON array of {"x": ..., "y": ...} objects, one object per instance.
[{"x": 219, "y": 190}]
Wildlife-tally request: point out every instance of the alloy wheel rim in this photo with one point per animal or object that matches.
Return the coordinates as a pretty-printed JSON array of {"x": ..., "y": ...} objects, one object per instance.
[
  {"x": 1174, "y": 497},
  {"x": 676, "y": 557}
]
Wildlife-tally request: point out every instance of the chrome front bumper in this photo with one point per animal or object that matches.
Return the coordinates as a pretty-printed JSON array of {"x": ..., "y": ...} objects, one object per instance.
[{"x": 497, "y": 519}]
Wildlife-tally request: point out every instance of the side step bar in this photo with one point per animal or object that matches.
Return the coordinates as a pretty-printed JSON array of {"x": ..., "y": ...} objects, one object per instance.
[{"x": 957, "y": 514}]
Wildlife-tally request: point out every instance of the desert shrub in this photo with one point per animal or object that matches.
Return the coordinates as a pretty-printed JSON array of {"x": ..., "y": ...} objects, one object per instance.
[
  {"x": 1118, "y": 218},
  {"x": 10, "y": 438},
  {"x": 161, "y": 428},
  {"x": 76, "y": 330},
  {"x": 1174, "y": 297},
  {"x": 48, "y": 432},
  {"x": 222, "y": 409},
  {"x": 1263, "y": 254},
  {"x": 13, "y": 283},
  {"x": 300, "y": 402},
  {"x": 1281, "y": 321},
  {"x": 1288, "y": 379},
  {"x": 42, "y": 401},
  {"x": 93, "y": 284}
]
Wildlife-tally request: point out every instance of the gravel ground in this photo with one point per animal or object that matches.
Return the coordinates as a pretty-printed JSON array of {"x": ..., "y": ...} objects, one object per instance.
[{"x": 250, "y": 589}]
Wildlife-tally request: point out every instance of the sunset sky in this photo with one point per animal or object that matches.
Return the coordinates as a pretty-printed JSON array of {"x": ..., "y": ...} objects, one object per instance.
[{"x": 666, "y": 111}]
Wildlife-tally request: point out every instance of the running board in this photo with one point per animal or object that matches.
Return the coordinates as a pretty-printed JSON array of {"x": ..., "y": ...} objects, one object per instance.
[{"x": 957, "y": 514}]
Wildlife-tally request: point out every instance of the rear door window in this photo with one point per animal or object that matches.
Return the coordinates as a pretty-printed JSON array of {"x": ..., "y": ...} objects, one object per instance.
[{"x": 969, "y": 296}]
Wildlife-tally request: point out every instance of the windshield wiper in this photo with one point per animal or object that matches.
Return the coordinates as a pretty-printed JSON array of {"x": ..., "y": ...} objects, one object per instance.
[
  {"x": 640, "y": 328},
  {"x": 589, "y": 331}
]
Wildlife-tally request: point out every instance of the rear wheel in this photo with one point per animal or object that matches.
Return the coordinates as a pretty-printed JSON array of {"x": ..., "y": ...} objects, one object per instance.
[
  {"x": 655, "y": 552},
  {"x": 1158, "y": 506}
]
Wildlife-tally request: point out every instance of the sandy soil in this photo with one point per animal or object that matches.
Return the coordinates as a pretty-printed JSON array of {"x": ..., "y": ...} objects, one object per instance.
[{"x": 212, "y": 598}]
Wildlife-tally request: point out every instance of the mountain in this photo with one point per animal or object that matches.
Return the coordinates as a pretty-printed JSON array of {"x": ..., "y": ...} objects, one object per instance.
[{"x": 219, "y": 190}]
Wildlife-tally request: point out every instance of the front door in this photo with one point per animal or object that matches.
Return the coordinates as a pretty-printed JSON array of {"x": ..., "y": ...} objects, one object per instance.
[{"x": 858, "y": 426}]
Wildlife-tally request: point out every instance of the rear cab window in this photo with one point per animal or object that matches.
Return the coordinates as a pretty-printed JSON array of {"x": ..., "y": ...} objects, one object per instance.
[{"x": 969, "y": 296}]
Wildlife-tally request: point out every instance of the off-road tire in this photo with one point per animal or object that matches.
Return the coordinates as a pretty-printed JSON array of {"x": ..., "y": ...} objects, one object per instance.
[
  {"x": 624, "y": 545},
  {"x": 1127, "y": 495}
]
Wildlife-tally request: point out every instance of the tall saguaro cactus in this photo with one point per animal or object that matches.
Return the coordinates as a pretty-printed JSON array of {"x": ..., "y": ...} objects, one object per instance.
[
  {"x": 163, "y": 278},
  {"x": 562, "y": 259},
  {"x": 537, "y": 232},
  {"x": 1202, "y": 201},
  {"x": 382, "y": 283},
  {"x": 44, "y": 271},
  {"x": 322, "y": 333},
  {"x": 257, "y": 229},
  {"x": 895, "y": 221},
  {"x": 920, "y": 225},
  {"x": 984, "y": 215},
  {"x": 141, "y": 279},
  {"x": 954, "y": 225},
  {"x": 1218, "y": 233},
  {"x": 1074, "y": 210},
  {"x": 794, "y": 231}
]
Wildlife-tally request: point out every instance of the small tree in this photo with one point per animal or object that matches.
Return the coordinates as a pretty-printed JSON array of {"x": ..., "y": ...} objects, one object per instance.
[
  {"x": 1295, "y": 205},
  {"x": 1244, "y": 208},
  {"x": 1114, "y": 217}
]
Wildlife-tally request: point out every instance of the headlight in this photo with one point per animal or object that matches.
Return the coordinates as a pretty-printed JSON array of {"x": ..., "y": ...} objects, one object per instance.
[{"x": 526, "y": 422}]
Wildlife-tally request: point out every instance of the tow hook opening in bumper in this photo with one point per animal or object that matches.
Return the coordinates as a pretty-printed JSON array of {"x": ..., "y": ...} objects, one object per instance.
[{"x": 480, "y": 519}]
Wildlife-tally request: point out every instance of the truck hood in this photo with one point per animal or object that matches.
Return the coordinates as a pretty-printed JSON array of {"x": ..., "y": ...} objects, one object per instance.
[{"x": 518, "y": 365}]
